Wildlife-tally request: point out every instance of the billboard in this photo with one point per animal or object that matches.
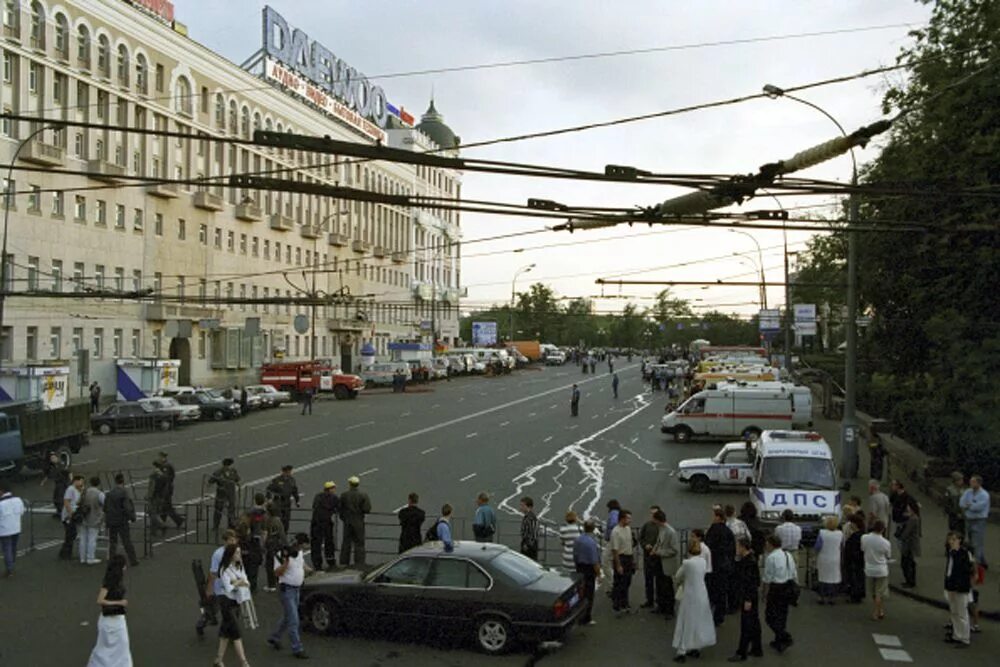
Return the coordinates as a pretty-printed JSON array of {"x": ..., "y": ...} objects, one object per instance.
[
  {"x": 770, "y": 320},
  {"x": 484, "y": 333},
  {"x": 805, "y": 319}
]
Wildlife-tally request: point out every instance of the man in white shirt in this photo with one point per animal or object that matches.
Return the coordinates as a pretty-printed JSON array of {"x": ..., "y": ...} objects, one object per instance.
[
  {"x": 878, "y": 504},
  {"x": 789, "y": 532},
  {"x": 623, "y": 561},
  {"x": 877, "y": 551},
  {"x": 11, "y": 510},
  {"x": 71, "y": 498},
  {"x": 290, "y": 568},
  {"x": 780, "y": 576}
]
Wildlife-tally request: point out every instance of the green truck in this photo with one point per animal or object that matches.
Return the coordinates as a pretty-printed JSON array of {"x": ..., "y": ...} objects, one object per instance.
[{"x": 28, "y": 432}]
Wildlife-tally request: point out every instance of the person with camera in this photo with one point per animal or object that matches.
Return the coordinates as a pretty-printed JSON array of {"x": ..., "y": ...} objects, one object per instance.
[{"x": 290, "y": 567}]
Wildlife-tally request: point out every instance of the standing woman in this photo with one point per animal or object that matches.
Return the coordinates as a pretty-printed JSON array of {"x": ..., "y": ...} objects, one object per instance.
[
  {"x": 829, "y": 545},
  {"x": 958, "y": 577},
  {"x": 112, "y": 649},
  {"x": 854, "y": 559},
  {"x": 695, "y": 627},
  {"x": 234, "y": 581}
]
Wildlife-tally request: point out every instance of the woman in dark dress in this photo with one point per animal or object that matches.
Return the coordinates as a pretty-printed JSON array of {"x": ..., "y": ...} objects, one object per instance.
[{"x": 854, "y": 560}]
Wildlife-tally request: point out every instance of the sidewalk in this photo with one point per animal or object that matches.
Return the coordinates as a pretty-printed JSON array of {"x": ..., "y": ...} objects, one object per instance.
[{"x": 931, "y": 565}]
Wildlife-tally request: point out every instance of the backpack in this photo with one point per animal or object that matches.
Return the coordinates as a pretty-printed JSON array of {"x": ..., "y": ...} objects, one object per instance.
[
  {"x": 432, "y": 533},
  {"x": 253, "y": 531}
]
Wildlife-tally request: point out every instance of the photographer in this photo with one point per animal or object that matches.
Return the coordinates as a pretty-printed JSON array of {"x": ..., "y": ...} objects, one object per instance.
[{"x": 290, "y": 568}]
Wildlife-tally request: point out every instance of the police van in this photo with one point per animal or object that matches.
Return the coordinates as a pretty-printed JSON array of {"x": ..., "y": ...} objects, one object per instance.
[
  {"x": 734, "y": 412},
  {"x": 794, "y": 470}
]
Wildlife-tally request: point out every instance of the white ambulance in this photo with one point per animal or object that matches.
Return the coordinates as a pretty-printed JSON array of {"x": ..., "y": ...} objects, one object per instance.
[
  {"x": 734, "y": 412},
  {"x": 802, "y": 402}
]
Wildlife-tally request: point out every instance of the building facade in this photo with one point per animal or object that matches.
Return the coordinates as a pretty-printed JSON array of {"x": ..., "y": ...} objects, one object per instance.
[{"x": 99, "y": 260}]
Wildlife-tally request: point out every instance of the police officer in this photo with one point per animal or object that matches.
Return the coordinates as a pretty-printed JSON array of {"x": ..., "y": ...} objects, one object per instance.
[
  {"x": 307, "y": 400},
  {"x": 354, "y": 505},
  {"x": 156, "y": 495},
  {"x": 226, "y": 481},
  {"x": 57, "y": 471},
  {"x": 325, "y": 507},
  {"x": 574, "y": 402},
  {"x": 282, "y": 490},
  {"x": 167, "y": 508}
]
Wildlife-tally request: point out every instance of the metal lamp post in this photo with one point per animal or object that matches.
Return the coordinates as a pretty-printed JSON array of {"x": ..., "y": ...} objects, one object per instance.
[
  {"x": 760, "y": 259},
  {"x": 513, "y": 283},
  {"x": 849, "y": 423}
]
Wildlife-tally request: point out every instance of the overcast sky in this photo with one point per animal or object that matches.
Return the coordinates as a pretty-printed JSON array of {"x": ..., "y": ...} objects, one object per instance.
[{"x": 379, "y": 37}]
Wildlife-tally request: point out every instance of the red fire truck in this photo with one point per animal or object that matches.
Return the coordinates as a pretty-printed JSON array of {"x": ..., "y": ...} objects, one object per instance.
[{"x": 297, "y": 376}]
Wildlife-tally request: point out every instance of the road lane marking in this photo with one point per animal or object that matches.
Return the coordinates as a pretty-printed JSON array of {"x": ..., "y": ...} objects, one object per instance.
[
  {"x": 83, "y": 463},
  {"x": 314, "y": 437},
  {"x": 406, "y": 414},
  {"x": 429, "y": 450},
  {"x": 467, "y": 477},
  {"x": 887, "y": 640},
  {"x": 471, "y": 435},
  {"x": 277, "y": 423},
  {"x": 150, "y": 449},
  {"x": 504, "y": 423},
  {"x": 398, "y": 509},
  {"x": 211, "y": 437},
  {"x": 262, "y": 450},
  {"x": 436, "y": 405},
  {"x": 513, "y": 456},
  {"x": 367, "y": 472},
  {"x": 532, "y": 414},
  {"x": 547, "y": 439},
  {"x": 650, "y": 427},
  {"x": 351, "y": 428},
  {"x": 612, "y": 458},
  {"x": 595, "y": 416},
  {"x": 574, "y": 426}
]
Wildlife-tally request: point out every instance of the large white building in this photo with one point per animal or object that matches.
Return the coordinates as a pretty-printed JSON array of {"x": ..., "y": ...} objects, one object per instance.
[{"x": 385, "y": 272}]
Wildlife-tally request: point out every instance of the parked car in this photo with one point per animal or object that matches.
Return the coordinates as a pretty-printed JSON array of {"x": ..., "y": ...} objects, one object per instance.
[
  {"x": 185, "y": 413},
  {"x": 441, "y": 368},
  {"x": 382, "y": 373},
  {"x": 213, "y": 404},
  {"x": 129, "y": 416},
  {"x": 555, "y": 358},
  {"x": 732, "y": 466},
  {"x": 487, "y": 592},
  {"x": 270, "y": 396}
]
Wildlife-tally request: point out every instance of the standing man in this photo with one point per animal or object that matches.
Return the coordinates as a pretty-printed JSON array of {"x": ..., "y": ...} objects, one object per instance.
[
  {"x": 878, "y": 504},
  {"x": 226, "y": 481},
  {"x": 213, "y": 585},
  {"x": 307, "y": 400},
  {"x": 574, "y": 402},
  {"x": 119, "y": 511},
  {"x": 442, "y": 529},
  {"x": 899, "y": 498},
  {"x": 411, "y": 522},
  {"x": 93, "y": 499},
  {"x": 975, "y": 504},
  {"x": 909, "y": 543},
  {"x": 354, "y": 505},
  {"x": 325, "y": 507},
  {"x": 623, "y": 561},
  {"x": 876, "y": 456},
  {"x": 779, "y": 584},
  {"x": 11, "y": 510},
  {"x": 953, "y": 495},
  {"x": 665, "y": 550},
  {"x": 282, "y": 490},
  {"x": 789, "y": 532},
  {"x": 587, "y": 559},
  {"x": 614, "y": 384},
  {"x": 290, "y": 568},
  {"x": 611, "y": 365},
  {"x": 57, "y": 471},
  {"x": 484, "y": 523},
  {"x": 747, "y": 578},
  {"x": 156, "y": 494},
  {"x": 251, "y": 532},
  {"x": 529, "y": 529},
  {"x": 648, "y": 535},
  {"x": 167, "y": 508},
  {"x": 243, "y": 399},
  {"x": 95, "y": 397},
  {"x": 877, "y": 551},
  {"x": 722, "y": 544},
  {"x": 71, "y": 498}
]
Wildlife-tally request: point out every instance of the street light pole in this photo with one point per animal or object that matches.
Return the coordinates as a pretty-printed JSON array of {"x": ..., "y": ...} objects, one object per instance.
[
  {"x": 849, "y": 423},
  {"x": 513, "y": 282},
  {"x": 760, "y": 258}
]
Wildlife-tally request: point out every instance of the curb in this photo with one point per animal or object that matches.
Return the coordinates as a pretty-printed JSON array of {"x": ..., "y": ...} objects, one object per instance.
[{"x": 939, "y": 603}]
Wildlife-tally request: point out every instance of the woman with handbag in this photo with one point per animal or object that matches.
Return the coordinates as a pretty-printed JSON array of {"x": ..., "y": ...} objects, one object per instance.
[
  {"x": 236, "y": 590},
  {"x": 112, "y": 648},
  {"x": 781, "y": 590}
]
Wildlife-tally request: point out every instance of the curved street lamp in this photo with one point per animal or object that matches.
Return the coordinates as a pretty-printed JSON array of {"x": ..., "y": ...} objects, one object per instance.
[{"x": 513, "y": 282}]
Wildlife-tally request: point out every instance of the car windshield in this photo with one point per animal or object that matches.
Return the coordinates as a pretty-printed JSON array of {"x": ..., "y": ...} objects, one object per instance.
[
  {"x": 796, "y": 472},
  {"x": 214, "y": 393},
  {"x": 520, "y": 568}
]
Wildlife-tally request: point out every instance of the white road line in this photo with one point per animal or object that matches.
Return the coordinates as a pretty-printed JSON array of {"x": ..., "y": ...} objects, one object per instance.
[
  {"x": 650, "y": 427},
  {"x": 595, "y": 416},
  {"x": 895, "y": 655},
  {"x": 436, "y": 405},
  {"x": 574, "y": 426},
  {"x": 367, "y": 472},
  {"x": 504, "y": 423},
  {"x": 314, "y": 437},
  {"x": 633, "y": 441},
  {"x": 532, "y": 414},
  {"x": 260, "y": 426},
  {"x": 354, "y": 426},
  {"x": 467, "y": 477},
  {"x": 429, "y": 450},
  {"x": 406, "y": 414},
  {"x": 471, "y": 435},
  {"x": 887, "y": 640},
  {"x": 261, "y": 451},
  {"x": 212, "y": 437},
  {"x": 83, "y": 463},
  {"x": 513, "y": 456},
  {"x": 553, "y": 406},
  {"x": 175, "y": 537},
  {"x": 150, "y": 449},
  {"x": 397, "y": 510},
  {"x": 547, "y": 439},
  {"x": 461, "y": 398},
  {"x": 612, "y": 458}
]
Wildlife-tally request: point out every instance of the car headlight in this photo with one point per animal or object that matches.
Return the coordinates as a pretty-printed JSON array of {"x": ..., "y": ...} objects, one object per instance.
[{"x": 770, "y": 515}]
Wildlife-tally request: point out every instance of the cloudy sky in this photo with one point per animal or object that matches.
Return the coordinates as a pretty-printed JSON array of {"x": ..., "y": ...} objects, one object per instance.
[{"x": 381, "y": 38}]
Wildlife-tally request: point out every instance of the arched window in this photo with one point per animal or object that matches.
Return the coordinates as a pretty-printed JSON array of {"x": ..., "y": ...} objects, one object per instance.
[
  {"x": 268, "y": 125},
  {"x": 83, "y": 46},
  {"x": 37, "y": 25},
  {"x": 183, "y": 98},
  {"x": 256, "y": 120},
  {"x": 233, "y": 120},
  {"x": 245, "y": 122},
  {"x": 62, "y": 36},
  {"x": 123, "y": 65},
  {"x": 103, "y": 55},
  {"x": 220, "y": 111},
  {"x": 141, "y": 74}
]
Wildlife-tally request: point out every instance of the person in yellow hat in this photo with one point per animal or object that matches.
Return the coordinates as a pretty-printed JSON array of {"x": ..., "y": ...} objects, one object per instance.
[{"x": 325, "y": 507}]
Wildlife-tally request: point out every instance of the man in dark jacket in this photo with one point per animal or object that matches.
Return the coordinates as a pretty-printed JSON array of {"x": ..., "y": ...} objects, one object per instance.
[
  {"x": 354, "y": 505},
  {"x": 411, "y": 522},
  {"x": 281, "y": 491},
  {"x": 325, "y": 506},
  {"x": 156, "y": 497},
  {"x": 747, "y": 582},
  {"x": 650, "y": 564},
  {"x": 722, "y": 544},
  {"x": 227, "y": 482},
  {"x": 56, "y": 471},
  {"x": 167, "y": 507},
  {"x": 119, "y": 511}
]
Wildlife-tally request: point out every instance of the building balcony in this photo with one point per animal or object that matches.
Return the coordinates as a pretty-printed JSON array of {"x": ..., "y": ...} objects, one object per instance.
[
  {"x": 102, "y": 170},
  {"x": 163, "y": 190},
  {"x": 248, "y": 212},
  {"x": 310, "y": 231},
  {"x": 380, "y": 251},
  {"x": 339, "y": 240},
  {"x": 282, "y": 223},
  {"x": 399, "y": 257},
  {"x": 361, "y": 246},
  {"x": 207, "y": 200},
  {"x": 44, "y": 154}
]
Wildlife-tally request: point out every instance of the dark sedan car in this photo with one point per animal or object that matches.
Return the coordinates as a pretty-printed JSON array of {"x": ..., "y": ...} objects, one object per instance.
[
  {"x": 213, "y": 405},
  {"x": 485, "y": 591},
  {"x": 119, "y": 417}
]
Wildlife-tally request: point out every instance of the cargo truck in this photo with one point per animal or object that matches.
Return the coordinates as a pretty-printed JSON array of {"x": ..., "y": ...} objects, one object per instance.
[{"x": 28, "y": 432}]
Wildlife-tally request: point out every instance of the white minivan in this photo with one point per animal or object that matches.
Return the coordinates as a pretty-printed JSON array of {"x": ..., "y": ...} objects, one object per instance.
[
  {"x": 723, "y": 414},
  {"x": 802, "y": 400}
]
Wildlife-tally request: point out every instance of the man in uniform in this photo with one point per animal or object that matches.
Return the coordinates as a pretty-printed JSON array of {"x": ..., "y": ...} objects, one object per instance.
[
  {"x": 614, "y": 384},
  {"x": 282, "y": 490},
  {"x": 307, "y": 400},
  {"x": 57, "y": 471},
  {"x": 574, "y": 402},
  {"x": 156, "y": 495},
  {"x": 167, "y": 508},
  {"x": 324, "y": 508},
  {"x": 226, "y": 481},
  {"x": 119, "y": 511},
  {"x": 354, "y": 505}
]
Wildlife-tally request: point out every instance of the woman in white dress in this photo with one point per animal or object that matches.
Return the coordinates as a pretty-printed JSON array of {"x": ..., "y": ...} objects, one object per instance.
[
  {"x": 829, "y": 546},
  {"x": 695, "y": 628},
  {"x": 112, "y": 648}
]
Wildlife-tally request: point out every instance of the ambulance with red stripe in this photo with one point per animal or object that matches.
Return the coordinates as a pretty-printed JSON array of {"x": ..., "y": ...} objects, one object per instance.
[{"x": 733, "y": 412}]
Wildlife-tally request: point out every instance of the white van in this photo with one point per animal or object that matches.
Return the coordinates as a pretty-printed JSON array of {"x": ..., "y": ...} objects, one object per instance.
[
  {"x": 802, "y": 399},
  {"x": 794, "y": 470},
  {"x": 729, "y": 413}
]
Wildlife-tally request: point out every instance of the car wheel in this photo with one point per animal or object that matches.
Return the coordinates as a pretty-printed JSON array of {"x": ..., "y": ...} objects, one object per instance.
[
  {"x": 354, "y": 393},
  {"x": 341, "y": 392},
  {"x": 322, "y": 616},
  {"x": 682, "y": 434},
  {"x": 700, "y": 484},
  {"x": 493, "y": 634},
  {"x": 751, "y": 433},
  {"x": 218, "y": 415},
  {"x": 105, "y": 429},
  {"x": 165, "y": 425}
]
